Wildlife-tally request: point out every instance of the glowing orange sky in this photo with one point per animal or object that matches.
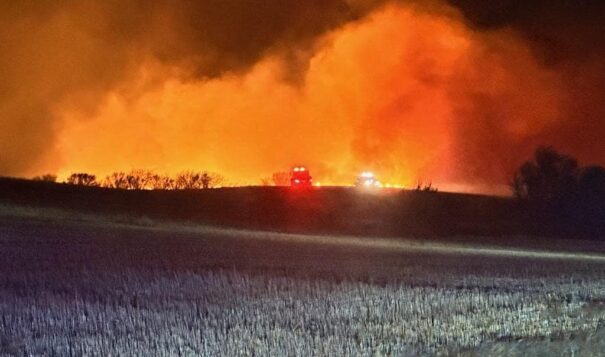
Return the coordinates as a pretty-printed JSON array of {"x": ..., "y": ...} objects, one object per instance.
[{"x": 410, "y": 93}]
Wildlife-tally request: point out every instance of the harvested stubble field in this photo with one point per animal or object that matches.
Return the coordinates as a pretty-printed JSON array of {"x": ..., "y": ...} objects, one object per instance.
[{"x": 99, "y": 286}]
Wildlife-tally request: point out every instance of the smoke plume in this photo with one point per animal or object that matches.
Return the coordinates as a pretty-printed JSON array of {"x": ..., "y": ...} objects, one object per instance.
[{"x": 411, "y": 90}]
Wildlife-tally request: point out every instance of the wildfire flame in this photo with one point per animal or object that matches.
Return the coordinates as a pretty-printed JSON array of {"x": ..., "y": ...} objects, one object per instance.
[{"x": 410, "y": 91}]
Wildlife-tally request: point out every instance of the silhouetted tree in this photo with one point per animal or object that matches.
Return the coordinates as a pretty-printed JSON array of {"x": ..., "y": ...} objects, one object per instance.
[
  {"x": 116, "y": 180},
  {"x": 549, "y": 176},
  {"x": 47, "y": 178},
  {"x": 82, "y": 179},
  {"x": 565, "y": 199}
]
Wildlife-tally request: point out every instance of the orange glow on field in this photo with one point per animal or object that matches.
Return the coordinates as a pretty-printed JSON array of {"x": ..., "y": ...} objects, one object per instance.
[{"x": 394, "y": 92}]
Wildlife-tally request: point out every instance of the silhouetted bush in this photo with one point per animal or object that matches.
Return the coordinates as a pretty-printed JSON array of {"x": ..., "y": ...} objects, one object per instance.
[
  {"x": 140, "y": 179},
  {"x": 278, "y": 178},
  {"x": 266, "y": 181},
  {"x": 160, "y": 182},
  {"x": 187, "y": 180},
  {"x": 281, "y": 178},
  {"x": 191, "y": 180},
  {"x": 82, "y": 179},
  {"x": 148, "y": 180},
  {"x": 116, "y": 180},
  {"x": 211, "y": 179},
  {"x": 46, "y": 178},
  {"x": 425, "y": 187}
]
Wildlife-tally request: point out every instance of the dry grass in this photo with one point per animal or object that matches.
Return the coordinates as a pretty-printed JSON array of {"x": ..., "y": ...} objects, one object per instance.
[
  {"x": 89, "y": 285},
  {"x": 229, "y": 314}
]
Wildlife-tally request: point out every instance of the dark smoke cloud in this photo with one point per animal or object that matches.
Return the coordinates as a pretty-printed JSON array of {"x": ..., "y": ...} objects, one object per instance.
[
  {"x": 53, "y": 51},
  {"x": 567, "y": 36},
  {"x": 561, "y": 29}
]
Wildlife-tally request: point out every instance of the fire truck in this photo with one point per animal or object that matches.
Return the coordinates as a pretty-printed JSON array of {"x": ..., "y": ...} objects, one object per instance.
[
  {"x": 300, "y": 177},
  {"x": 367, "y": 180}
]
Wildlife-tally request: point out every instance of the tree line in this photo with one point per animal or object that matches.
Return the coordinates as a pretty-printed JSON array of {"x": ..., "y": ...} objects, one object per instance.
[
  {"x": 560, "y": 192},
  {"x": 551, "y": 176},
  {"x": 144, "y": 180}
]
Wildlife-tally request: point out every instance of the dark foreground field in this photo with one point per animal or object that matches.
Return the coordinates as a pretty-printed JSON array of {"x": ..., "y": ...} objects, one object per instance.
[
  {"x": 325, "y": 210},
  {"x": 328, "y": 210},
  {"x": 76, "y": 284}
]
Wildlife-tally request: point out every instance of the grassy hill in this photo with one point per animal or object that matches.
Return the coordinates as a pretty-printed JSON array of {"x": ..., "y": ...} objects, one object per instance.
[{"x": 327, "y": 210}]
